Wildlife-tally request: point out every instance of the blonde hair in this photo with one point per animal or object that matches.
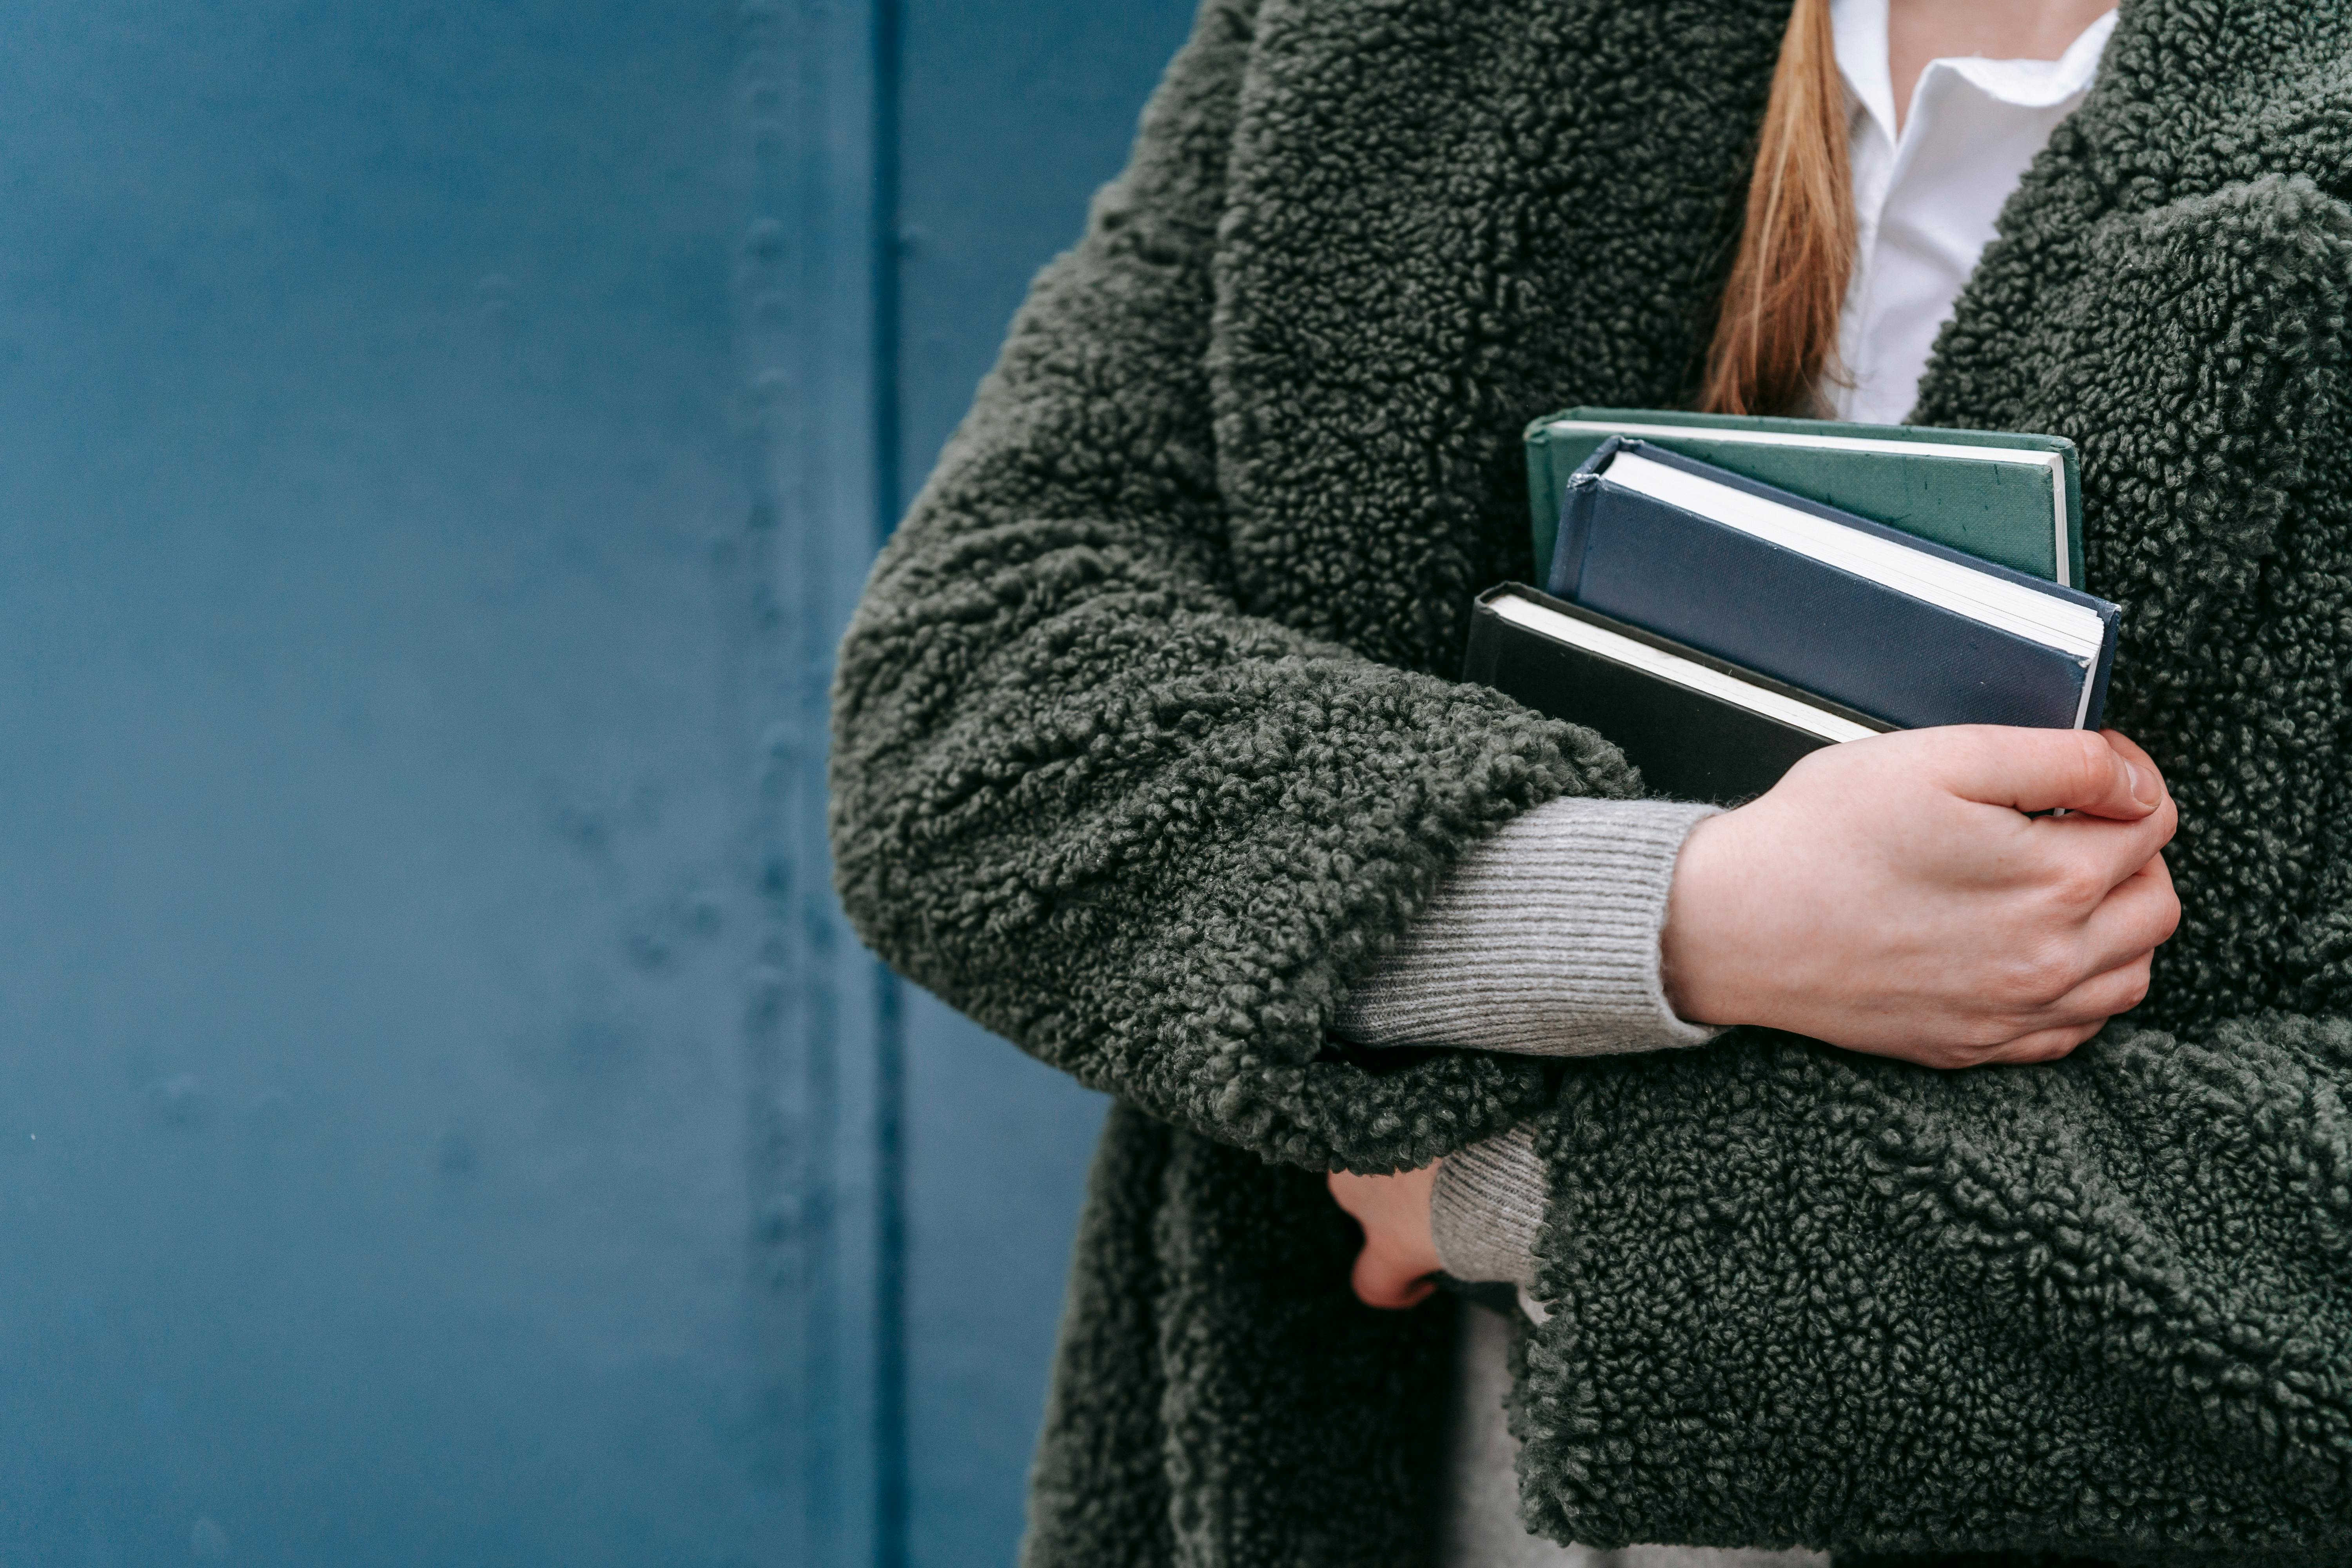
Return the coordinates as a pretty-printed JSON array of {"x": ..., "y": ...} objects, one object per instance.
[{"x": 1777, "y": 338}]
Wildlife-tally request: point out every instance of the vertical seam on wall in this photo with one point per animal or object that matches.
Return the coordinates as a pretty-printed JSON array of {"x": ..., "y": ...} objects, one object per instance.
[
  {"x": 893, "y": 1499},
  {"x": 816, "y": 126},
  {"x": 785, "y": 290}
]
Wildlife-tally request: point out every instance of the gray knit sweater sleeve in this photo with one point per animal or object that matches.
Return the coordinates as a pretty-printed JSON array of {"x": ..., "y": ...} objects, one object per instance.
[
  {"x": 1487, "y": 1209},
  {"x": 1543, "y": 940}
]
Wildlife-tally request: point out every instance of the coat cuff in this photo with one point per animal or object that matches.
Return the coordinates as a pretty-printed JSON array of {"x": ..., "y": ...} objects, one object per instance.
[
  {"x": 1542, "y": 941},
  {"x": 1487, "y": 1209}
]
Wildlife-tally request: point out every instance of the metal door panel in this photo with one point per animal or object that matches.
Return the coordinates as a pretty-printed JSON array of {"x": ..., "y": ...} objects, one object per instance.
[
  {"x": 1014, "y": 112},
  {"x": 443, "y": 1118},
  {"x": 371, "y": 940}
]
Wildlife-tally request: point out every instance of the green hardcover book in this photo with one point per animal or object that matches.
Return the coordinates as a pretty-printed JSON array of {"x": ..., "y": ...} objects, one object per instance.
[{"x": 2010, "y": 499}]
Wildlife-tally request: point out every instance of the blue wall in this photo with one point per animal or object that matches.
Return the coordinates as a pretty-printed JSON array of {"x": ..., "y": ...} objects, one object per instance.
[
  {"x": 1012, "y": 114},
  {"x": 441, "y": 1119}
]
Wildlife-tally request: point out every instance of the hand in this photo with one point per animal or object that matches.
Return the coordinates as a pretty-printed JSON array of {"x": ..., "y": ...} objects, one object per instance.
[
  {"x": 1892, "y": 896},
  {"x": 1399, "y": 1250}
]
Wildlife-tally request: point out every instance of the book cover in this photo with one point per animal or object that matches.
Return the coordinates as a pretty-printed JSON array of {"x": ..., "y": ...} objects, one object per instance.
[
  {"x": 1838, "y": 634},
  {"x": 2010, "y": 499},
  {"x": 1725, "y": 743}
]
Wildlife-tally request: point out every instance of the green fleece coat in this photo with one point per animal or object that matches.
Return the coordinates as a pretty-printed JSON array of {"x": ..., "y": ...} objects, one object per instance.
[{"x": 1148, "y": 741}]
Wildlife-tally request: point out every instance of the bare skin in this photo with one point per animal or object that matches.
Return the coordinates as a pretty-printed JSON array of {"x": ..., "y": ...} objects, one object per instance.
[
  {"x": 1834, "y": 905},
  {"x": 1919, "y": 31},
  {"x": 1893, "y": 896},
  {"x": 1400, "y": 1248},
  {"x": 1897, "y": 896}
]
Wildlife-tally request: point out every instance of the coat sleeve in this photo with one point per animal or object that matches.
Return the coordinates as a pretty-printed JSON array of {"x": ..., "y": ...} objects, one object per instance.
[
  {"x": 1084, "y": 795},
  {"x": 2103, "y": 1306}
]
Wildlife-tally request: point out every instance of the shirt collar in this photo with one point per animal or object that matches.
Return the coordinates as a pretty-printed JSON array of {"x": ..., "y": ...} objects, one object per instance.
[{"x": 1859, "y": 27}]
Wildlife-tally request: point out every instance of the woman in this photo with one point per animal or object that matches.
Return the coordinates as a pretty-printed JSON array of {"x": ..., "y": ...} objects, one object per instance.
[{"x": 1147, "y": 757}]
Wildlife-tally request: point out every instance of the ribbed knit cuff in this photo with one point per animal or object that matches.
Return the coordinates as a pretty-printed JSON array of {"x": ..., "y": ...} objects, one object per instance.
[
  {"x": 1487, "y": 1209},
  {"x": 1543, "y": 941}
]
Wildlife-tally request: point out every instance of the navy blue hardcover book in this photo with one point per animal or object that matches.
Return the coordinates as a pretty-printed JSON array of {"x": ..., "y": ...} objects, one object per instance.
[{"x": 1911, "y": 633}]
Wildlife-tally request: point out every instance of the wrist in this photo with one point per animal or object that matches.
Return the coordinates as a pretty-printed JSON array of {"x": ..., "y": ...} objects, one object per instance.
[{"x": 1699, "y": 948}]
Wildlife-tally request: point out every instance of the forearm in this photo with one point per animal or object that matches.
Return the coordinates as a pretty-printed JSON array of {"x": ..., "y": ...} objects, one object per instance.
[
  {"x": 1487, "y": 1209},
  {"x": 1545, "y": 940}
]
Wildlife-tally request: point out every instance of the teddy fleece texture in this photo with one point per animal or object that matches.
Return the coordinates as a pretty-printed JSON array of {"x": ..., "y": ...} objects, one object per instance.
[{"x": 1148, "y": 743}]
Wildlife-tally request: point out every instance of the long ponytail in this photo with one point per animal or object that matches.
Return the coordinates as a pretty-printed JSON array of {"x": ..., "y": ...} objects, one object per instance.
[{"x": 1778, "y": 335}]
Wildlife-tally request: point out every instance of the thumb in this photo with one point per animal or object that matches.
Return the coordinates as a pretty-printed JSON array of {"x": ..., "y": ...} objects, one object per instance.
[{"x": 2047, "y": 770}]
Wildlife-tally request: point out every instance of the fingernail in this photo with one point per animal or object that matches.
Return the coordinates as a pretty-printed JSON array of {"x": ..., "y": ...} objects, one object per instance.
[{"x": 2143, "y": 785}]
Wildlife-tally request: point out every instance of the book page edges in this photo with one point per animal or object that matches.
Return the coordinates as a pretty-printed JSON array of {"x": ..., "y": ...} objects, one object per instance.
[{"x": 1682, "y": 672}]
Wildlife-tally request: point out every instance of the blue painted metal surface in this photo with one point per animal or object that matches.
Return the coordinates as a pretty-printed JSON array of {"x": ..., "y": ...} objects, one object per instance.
[
  {"x": 1012, "y": 114},
  {"x": 442, "y": 1115},
  {"x": 821, "y": 1057}
]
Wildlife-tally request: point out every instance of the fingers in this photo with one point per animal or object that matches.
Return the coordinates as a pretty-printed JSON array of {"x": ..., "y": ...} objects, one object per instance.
[
  {"x": 2110, "y": 853},
  {"x": 2108, "y": 969},
  {"x": 1381, "y": 1279},
  {"x": 2129, "y": 750},
  {"x": 2102, "y": 996},
  {"x": 2045, "y": 769},
  {"x": 2084, "y": 1012},
  {"x": 2043, "y": 1044},
  {"x": 1392, "y": 1270},
  {"x": 2079, "y": 1015},
  {"x": 2139, "y": 915}
]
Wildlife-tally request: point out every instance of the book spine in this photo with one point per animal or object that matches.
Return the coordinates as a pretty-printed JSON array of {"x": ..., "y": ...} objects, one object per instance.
[
  {"x": 1581, "y": 495},
  {"x": 1543, "y": 512},
  {"x": 2073, "y": 494},
  {"x": 1485, "y": 638},
  {"x": 2094, "y": 711}
]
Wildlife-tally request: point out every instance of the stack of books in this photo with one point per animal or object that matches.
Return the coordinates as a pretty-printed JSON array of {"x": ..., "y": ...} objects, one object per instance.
[{"x": 1715, "y": 611}]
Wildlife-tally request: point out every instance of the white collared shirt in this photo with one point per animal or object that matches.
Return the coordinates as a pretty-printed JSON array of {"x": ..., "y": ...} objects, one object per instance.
[{"x": 1925, "y": 202}]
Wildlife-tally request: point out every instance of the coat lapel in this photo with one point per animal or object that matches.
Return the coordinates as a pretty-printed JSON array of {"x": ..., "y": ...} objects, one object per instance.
[
  {"x": 2170, "y": 290},
  {"x": 1447, "y": 218}
]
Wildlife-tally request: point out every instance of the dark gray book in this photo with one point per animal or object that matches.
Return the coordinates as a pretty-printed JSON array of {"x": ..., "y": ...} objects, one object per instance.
[{"x": 1699, "y": 726}]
